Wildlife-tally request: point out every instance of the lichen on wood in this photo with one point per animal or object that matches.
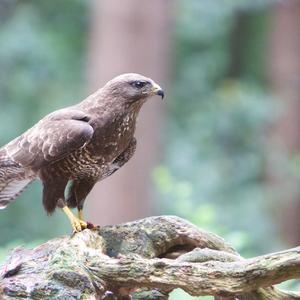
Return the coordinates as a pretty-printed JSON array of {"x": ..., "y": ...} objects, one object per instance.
[{"x": 144, "y": 259}]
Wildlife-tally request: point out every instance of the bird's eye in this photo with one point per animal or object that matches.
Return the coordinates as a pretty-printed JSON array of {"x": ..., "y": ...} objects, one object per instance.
[{"x": 139, "y": 84}]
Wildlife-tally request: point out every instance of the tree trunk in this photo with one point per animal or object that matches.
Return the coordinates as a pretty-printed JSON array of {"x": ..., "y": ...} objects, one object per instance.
[
  {"x": 145, "y": 259},
  {"x": 284, "y": 67},
  {"x": 125, "y": 38}
]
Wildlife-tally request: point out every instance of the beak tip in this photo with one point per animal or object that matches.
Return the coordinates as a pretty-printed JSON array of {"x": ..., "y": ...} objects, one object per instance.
[{"x": 161, "y": 93}]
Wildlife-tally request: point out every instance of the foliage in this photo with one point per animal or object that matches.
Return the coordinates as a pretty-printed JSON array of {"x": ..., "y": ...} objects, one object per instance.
[
  {"x": 219, "y": 106},
  {"x": 214, "y": 167}
]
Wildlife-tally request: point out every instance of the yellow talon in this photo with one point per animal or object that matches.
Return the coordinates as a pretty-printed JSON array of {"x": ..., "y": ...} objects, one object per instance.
[
  {"x": 80, "y": 214},
  {"x": 76, "y": 223}
]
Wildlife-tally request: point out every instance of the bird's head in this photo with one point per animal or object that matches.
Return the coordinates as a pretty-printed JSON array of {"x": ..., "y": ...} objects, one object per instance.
[{"x": 132, "y": 87}]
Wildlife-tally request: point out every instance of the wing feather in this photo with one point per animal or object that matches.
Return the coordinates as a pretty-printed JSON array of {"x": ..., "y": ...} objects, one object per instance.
[{"x": 52, "y": 138}]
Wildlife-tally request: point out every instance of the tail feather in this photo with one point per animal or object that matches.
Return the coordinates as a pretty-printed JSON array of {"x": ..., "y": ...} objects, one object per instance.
[
  {"x": 13, "y": 179},
  {"x": 12, "y": 190},
  {"x": 5, "y": 160}
]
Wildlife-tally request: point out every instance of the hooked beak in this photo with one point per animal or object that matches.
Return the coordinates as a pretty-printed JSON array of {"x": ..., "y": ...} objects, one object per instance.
[{"x": 157, "y": 90}]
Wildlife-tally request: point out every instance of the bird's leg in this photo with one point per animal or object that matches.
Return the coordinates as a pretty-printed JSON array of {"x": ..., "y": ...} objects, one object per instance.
[
  {"x": 89, "y": 225},
  {"x": 77, "y": 194},
  {"x": 80, "y": 214},
  {"x": 76, "y": 223},
  {"x": 78, "y": 191}
]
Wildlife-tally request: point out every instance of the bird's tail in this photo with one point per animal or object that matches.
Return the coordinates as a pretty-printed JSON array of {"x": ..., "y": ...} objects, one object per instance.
[{"x": 13, "y": 179}]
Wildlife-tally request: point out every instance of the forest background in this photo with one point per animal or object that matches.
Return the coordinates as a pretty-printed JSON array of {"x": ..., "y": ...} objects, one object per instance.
[{"x": 222, "y": 151}]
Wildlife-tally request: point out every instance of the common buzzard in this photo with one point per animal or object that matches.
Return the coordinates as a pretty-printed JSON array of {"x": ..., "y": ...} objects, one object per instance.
[{"x": 80, "y": 145}]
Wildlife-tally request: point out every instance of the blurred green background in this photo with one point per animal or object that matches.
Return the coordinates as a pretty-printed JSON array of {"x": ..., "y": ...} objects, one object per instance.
[{"x": 228, "y": 157}]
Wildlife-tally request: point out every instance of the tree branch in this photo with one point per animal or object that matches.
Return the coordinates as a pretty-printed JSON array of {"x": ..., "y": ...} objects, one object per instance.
[{"x": 147, "y": 259}]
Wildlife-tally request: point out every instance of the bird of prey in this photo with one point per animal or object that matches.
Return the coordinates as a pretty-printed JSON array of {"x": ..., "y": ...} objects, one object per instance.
[{"x": 76, "y": 146}]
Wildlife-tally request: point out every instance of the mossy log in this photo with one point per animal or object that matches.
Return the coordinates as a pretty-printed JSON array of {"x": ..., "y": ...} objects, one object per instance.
[{"x": 145, "y": 259}]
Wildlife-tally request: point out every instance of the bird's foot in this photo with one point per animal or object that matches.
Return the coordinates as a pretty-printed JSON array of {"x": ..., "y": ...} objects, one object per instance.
[
  {"x": 81, "y": 218},
  {"x": 78, "y": 225}
]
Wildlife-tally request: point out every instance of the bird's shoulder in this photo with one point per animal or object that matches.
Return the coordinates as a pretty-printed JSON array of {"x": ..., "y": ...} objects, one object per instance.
[{"x": 68, "y": 113}]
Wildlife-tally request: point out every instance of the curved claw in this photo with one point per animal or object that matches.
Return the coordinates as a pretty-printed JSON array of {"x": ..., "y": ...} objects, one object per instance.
[{"x": 78, "y": 225}]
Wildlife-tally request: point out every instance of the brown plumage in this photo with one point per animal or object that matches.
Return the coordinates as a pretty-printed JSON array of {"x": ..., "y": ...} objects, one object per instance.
[{"x": 81, "y": 144}]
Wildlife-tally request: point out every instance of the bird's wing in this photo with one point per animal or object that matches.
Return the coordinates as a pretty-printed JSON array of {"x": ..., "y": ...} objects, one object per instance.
[{"x": 52, "y": 138}]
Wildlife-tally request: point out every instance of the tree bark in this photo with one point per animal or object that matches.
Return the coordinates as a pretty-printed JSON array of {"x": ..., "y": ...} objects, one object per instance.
[
  {"x": 124, "y": 38},
  {"x": 145, "y": 259}
]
